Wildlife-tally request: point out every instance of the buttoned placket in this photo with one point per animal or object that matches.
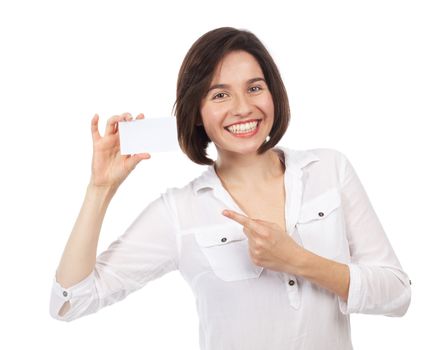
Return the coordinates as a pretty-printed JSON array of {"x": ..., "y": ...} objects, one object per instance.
[{"x": 293, "y": 189}]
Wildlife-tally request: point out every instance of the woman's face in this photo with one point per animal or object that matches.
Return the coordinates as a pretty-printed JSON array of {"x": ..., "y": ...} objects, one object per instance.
[{"x": 238, "y": 94}]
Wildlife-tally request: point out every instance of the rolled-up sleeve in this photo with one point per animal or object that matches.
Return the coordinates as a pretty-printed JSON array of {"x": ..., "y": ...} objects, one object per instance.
[
  {"x": 378, "y": 284},
  {"x": 145, "y": 251}
]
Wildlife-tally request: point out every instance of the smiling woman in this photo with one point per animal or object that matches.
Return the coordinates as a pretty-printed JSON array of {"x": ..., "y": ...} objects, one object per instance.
[
  {"x": 228, "y": 77},
  {"x": 279, "y": 246},
  {"x": 242, "y": 106}
]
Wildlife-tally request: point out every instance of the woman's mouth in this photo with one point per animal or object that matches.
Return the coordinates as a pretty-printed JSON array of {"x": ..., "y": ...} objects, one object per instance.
[{"x": 245, "y": 129}]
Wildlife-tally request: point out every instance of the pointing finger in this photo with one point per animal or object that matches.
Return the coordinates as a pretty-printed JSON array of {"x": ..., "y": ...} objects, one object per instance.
[{"x": 242, "y": 219}]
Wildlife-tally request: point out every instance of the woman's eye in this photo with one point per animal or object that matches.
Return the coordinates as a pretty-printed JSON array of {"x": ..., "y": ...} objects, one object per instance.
[
  {"x": 219, "y": 94},
  {"x": 256, "y": 87}
]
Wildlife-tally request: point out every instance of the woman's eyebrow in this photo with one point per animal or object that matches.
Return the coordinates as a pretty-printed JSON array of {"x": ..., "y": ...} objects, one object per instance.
[{"x": 225, "y": 86}]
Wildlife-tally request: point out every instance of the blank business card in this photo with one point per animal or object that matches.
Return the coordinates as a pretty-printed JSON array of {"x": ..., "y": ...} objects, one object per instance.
[{"x": 148, "y": 135}]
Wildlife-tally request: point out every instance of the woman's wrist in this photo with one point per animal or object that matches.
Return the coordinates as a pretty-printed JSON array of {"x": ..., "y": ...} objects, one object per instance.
[{"x": 104, "y": 192}]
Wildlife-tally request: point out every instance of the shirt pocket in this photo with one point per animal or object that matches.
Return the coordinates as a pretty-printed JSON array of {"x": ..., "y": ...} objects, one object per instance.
[
  {"x": 321, "y": 226},
  {"x": 227, "y": 251}
]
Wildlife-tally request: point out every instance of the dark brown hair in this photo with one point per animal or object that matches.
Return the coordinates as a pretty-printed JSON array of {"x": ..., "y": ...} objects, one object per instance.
[{"x": 194, "y": 79}]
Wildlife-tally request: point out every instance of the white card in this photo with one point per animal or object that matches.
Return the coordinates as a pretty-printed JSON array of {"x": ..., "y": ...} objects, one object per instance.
[{"x": 148, "y": 135}]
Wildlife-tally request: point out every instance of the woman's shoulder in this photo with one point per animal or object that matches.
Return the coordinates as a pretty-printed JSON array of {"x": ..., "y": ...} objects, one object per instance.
[
  {"x": 323, "y": 156},
  {"x": 189, "y": 189},
  {"x": 325, "y": 152}
]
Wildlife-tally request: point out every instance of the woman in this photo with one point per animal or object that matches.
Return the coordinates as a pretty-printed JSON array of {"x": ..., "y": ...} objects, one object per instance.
[{"x": 279, "y": 246}]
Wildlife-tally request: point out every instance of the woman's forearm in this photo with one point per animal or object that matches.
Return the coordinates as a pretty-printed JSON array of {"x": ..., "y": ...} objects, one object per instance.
[
  {"x": 79, "y": 256},
  {"x": 326, "y": 273}
]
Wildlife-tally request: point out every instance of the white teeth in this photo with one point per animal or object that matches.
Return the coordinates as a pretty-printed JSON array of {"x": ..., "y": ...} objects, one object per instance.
[{"x": 243, "y": 128}]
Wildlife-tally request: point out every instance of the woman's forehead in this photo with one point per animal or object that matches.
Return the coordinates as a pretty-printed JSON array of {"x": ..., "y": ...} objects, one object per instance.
[{"x": 239, "y": 66}]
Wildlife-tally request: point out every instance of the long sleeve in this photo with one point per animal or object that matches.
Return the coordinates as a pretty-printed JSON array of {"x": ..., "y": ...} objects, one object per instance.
[
  {"x": 378, "y": 284},
  {"x": 145, "y": 251}
]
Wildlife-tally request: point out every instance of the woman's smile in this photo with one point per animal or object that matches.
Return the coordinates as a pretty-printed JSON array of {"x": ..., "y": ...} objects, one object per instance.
[{"x": 244, "y": 130}]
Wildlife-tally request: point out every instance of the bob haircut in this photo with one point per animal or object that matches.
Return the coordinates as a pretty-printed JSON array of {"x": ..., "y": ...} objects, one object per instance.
[{"x": 194, "y": 79}]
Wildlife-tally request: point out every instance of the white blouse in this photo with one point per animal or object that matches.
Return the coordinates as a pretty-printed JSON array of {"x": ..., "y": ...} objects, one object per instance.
[{"x": 241, "y": 305}]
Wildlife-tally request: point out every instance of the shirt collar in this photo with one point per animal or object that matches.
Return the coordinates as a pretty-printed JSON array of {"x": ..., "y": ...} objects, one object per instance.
[{"x": 294, "y": 161}]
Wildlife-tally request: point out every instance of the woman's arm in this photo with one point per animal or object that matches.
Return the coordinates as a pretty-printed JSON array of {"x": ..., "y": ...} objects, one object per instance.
[
  {"x": 327, "y": 273},
  {"x": 145, "y": 251},
  {"x": 378, "y": 284},
  {"x": 373, "y": 282},
  {"x": 79, "y": 256}
]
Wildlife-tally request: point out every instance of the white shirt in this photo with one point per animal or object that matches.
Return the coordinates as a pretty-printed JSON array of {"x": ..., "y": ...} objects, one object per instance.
[{"x": 241, "y": 305}]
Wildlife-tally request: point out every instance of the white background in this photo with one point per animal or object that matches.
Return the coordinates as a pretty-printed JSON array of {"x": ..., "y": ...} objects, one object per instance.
[{"x": 368, "y": 78}]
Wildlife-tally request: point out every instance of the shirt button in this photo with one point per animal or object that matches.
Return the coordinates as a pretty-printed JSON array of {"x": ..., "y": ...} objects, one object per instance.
[
  {"x": 321, "y": 213},
  {"x": 223, "y": 239},
  {"x": 291, "y": 282},
  {"x": 65, "y": 293}
]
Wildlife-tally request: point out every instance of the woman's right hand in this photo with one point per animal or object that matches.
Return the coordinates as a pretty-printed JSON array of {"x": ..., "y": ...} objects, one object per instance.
[{"x": 109, "y": 167}]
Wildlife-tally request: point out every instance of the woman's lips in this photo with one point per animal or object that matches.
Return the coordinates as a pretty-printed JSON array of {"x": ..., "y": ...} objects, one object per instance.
[
  {"x": 246, "y": 134},
  {"x": 244, "y": 122}
]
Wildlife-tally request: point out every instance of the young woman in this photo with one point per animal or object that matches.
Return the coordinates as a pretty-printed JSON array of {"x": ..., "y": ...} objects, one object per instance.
[{"x": 279, "y": 246}]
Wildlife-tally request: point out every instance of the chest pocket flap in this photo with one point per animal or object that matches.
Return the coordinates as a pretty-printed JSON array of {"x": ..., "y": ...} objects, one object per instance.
[
  {"x": 219, "y": 235},
  {"x": 321, "y": 226},
  {"x": 227, "y": 251},
  {"x": 320, "y": 207}
]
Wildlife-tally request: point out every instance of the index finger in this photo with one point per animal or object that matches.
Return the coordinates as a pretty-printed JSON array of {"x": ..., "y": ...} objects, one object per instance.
[
  {"x": 242, "y": 219},
  {"x": 94, "y": 128},
  {"x": 112, "y": 122}
]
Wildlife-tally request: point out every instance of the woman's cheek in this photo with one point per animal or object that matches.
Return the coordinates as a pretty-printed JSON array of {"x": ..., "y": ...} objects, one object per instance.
[{"x": 265, "y": 102}]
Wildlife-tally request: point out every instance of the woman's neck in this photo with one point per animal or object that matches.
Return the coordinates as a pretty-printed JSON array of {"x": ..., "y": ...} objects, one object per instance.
[{"x": 249, "y": 171}]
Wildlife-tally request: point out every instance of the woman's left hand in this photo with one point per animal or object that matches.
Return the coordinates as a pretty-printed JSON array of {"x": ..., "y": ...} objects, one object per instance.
[{"x": 270, "y": 246}]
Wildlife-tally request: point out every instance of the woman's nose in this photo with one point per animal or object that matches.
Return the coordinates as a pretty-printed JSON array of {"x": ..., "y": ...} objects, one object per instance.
[{"x": 241, "y": 106}]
